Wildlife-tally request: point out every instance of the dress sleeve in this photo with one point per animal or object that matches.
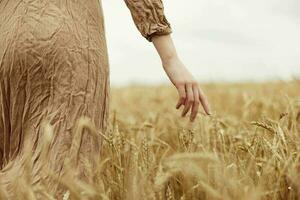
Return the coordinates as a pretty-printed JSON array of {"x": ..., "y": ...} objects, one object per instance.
[{"x": 149, "y": 17}]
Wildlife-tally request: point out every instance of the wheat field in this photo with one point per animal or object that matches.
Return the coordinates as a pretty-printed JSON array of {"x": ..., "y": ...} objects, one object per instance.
[{"x": 247, "y": 149}]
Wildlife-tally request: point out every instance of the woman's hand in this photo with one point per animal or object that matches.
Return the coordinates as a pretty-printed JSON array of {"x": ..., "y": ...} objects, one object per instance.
[{"x": 190, "y": 95}]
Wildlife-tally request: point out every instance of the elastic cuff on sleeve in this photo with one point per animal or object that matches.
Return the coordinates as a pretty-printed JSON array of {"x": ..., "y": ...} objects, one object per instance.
[{"x": 158, "y": 32}]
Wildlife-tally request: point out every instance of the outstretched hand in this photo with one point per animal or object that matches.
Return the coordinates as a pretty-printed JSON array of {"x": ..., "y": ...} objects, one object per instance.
[{"x": 190, "y": 94}]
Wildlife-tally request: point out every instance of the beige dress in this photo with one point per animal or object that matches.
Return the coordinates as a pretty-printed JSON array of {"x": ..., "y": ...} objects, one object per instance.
[{"x": 54, "y": 66}]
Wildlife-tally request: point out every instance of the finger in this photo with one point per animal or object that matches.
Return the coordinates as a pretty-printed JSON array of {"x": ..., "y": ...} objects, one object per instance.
[
  {"x": 189, "y": 100},
  {"x": 196, "y": 103},
  {"x": 204, "y": 102},
  {"x": 182, "y": 96}
]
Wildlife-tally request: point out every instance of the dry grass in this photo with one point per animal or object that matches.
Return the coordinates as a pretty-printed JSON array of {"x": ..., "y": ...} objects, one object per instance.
[{"x": 248, "y": 149}]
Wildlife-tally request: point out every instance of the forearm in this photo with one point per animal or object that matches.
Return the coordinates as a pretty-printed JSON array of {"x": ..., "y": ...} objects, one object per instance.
[
  {"x": 190, "y": 95},
  {"x": 165, "y": 48}
]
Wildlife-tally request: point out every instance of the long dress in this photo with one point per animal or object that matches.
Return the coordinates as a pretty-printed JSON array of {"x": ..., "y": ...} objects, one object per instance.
[{"x": 54, "y": 68}]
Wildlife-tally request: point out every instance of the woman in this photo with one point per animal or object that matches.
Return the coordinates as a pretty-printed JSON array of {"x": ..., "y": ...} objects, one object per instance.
[{"x": 54, "y": 66}]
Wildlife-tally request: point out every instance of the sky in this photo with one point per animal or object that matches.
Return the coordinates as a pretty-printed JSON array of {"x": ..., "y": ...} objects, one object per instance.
[{"x": 217, "y": 40}]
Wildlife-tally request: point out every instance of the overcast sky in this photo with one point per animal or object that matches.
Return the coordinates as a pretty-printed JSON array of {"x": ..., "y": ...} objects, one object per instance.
[{"x": 218, "y": 40}]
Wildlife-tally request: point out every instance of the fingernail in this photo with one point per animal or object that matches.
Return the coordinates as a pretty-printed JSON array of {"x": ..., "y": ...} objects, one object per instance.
[{"x": 209, "y": 111}]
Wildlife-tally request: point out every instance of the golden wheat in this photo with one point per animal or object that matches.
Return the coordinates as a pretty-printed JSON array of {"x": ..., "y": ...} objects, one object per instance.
[{"x": 247, "y": 149}]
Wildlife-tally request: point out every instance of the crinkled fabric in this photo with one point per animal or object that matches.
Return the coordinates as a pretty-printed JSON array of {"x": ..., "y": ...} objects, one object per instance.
[
  {"x": 54, "y": 68},
  {"x": 149, "y": 17}
]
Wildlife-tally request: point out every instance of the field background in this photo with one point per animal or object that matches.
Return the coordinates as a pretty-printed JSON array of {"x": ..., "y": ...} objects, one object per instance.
[{"x": 248, "y": 149}]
